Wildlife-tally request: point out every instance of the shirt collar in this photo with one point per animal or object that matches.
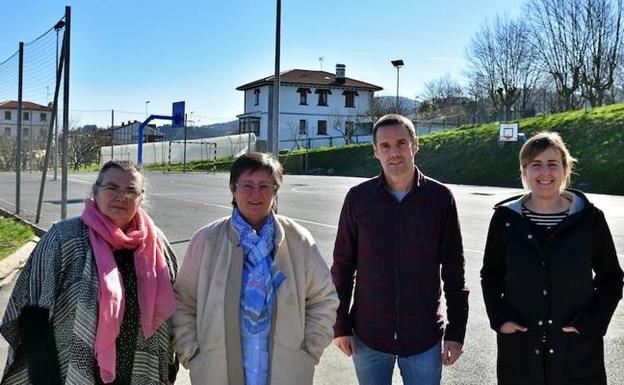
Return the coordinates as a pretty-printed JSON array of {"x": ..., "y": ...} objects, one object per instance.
[{"x": 419, "y": 180}]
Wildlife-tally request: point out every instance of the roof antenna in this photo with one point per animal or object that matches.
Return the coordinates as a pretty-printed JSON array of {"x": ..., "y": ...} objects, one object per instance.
[{"x": 321, "y": 59}]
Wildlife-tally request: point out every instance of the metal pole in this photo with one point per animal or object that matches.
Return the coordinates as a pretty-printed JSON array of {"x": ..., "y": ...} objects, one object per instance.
[
  {"x": 184, "y": 155},
  {"x": 112, "y": 134},
  {"x": 397, "y": 95},
  {"x": 65, "y": 159},
  {"x": 30, "y": 143},
  {"x": 49, "y": 141},
  {"x": 18, "y": 157},
  {"x": 55, "y": 112},
  {"x": 276, "y": 83}
]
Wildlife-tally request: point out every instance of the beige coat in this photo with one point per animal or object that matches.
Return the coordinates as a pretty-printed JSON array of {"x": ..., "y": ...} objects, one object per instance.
[{"x": 206, "y": 325}]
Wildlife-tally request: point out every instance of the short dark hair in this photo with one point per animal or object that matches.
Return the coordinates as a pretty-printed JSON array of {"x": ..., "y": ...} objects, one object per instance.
[
  {"x": 391, "y": 120},
  {"x": 252, "y": 162},
  {"x": 123, "y": 165}
]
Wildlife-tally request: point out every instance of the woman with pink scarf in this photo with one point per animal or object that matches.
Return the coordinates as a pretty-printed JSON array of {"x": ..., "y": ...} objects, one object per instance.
[{"x": 94, "y": 301}]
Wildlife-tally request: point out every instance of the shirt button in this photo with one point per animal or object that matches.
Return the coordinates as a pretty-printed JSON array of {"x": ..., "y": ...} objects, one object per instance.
[
  {"x": 537, "y": 352},
  {"x": 543, "y": 263},
  {"x": 540, "y": 323},
  {"x": 550, "y": 321},
  {"x": 551, "y": 351},
  {"x": 530, "y": 236},
  {"x": 507, "y": 224},
  {"x": 545, "y": 292}
]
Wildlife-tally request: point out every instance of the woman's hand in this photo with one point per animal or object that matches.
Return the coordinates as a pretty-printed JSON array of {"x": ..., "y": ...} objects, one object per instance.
[
  {"x": 570, "y": 329},
  {"x": 511, "y": 327}
]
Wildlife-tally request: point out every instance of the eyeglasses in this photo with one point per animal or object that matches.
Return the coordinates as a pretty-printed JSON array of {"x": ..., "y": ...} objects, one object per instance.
[
  {"x": 264, "y": 188},
  {"x": 121, "y": 193}
]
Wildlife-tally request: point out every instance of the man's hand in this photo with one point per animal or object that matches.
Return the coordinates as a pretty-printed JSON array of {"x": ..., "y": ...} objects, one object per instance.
[
  {"x": 511, "y": 327},
  {"x": 345, "y": 343},
  {"x": 451, "y": 351}
]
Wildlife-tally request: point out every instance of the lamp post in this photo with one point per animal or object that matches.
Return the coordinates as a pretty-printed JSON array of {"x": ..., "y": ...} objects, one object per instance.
[
  {"x": 397, "y": 64},
  {"x": 146, "y": 103}
]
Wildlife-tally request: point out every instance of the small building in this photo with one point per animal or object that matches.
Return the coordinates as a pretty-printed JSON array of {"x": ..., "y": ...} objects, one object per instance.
[
  {"x": 128, "y": 133},
  {"x": 315, "y": 106},
  {"x": 35, "y": 119}
]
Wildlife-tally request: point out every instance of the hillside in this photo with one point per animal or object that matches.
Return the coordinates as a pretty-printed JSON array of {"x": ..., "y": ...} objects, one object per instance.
[{"x": 472, "y": 155}]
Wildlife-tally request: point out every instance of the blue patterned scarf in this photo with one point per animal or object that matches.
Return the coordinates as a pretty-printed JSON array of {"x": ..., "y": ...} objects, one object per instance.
[{"x": 264, "y": 277}]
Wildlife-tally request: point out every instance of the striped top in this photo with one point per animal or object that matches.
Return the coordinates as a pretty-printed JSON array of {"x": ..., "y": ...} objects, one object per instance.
[{"x": 544, "y": 221}]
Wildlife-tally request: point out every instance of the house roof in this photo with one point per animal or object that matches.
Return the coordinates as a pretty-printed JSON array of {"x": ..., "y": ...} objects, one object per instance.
[
  {"x": 312, "y": 78},
  {"x": 12, "y": 105}
]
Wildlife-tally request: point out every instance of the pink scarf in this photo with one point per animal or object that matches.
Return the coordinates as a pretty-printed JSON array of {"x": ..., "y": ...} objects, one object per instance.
[{"x": 155, "y": 292}]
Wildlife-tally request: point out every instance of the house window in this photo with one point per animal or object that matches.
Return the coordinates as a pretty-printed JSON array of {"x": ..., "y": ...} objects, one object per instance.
[
  {"x": 350, "y": 98},
  {"x": 322, "y": 97},
  {"x": 43, "y": 117},
  {"x": 25, "y": 131},
  {"x": 250, "y": 124},
  {"x": 303, "y": 127},
  {"x": 256, "y": 96},
  {"x": 26, "y": 116},
  {"x": 7, "y": 131},
  {"x": 7, "y": 115},
  {"x": 43, "y": 132},
  {"x": 322, "y": 127},
  {"x": 303, "y": 95}
]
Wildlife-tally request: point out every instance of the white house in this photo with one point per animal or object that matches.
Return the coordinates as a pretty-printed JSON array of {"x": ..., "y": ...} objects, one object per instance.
[
  {"x": 35, "y": 119},
  {"x": 316, "y": 108}
]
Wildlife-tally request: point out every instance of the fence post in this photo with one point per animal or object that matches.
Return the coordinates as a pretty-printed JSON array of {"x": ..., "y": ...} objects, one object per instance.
[
  {"x": 214, "y": 164},
  {"x": 169, "y": 167}
]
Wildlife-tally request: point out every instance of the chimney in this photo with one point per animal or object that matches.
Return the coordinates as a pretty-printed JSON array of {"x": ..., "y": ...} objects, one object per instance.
[{"x": 340, "y": 72}]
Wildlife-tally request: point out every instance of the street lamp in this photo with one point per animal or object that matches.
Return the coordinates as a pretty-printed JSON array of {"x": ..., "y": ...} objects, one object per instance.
[
  {"x": 146, "y": 103},
  {"x": 397, "y": 64}
]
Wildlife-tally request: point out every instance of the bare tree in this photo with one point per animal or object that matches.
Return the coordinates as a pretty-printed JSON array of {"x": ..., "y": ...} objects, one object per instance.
[
  {"x": 296, "y": 136},
  {"x": 560, "y": 39},
  {"x": 445, "y": 100},
  {"x": 8, "y": 152},
  {"x": 84, "y": 146},
  {"x": 345, "y": 128},
  {"x": 502, "y": 62},
  {"x": 604, "y": 27}
]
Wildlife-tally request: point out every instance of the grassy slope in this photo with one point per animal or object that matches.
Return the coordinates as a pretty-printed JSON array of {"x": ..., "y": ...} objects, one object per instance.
[
  {"x": 12, "y": 236},
  {"x": 472, "y": 155}
]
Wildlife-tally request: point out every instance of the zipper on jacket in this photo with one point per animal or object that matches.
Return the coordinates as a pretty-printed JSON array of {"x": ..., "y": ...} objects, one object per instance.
[{"x": 397, "y": 242}]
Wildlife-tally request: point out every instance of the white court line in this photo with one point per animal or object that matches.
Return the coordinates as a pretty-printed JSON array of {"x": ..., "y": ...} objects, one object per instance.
[{"x": 79, "y": 181}]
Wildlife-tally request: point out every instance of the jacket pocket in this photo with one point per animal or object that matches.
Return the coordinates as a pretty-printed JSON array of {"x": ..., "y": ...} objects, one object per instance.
[
  {"x": 512, "y": 357},
  {"x": 291, "y": 366},
  {"x": 584, "y": 359},
  {"x": 209, "y": 367}
]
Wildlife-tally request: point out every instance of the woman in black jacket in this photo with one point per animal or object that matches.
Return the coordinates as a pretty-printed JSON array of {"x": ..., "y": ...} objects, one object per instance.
[{"x": 551, "y": 278}]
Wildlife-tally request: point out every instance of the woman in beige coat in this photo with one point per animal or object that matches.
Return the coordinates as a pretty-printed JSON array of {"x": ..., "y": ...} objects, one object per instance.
[{"x": 256, "y": 303}]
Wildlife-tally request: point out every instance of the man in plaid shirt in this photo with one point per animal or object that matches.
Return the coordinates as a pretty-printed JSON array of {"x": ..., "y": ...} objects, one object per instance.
[{"x": 400, "y": 233}]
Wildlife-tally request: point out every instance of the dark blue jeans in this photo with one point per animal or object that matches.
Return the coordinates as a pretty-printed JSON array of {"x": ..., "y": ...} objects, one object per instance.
[{"x": 375, "y": 368}]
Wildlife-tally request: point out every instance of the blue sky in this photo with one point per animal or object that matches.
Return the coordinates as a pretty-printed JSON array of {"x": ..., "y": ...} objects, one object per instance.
[{"x": 127, "y": 52}]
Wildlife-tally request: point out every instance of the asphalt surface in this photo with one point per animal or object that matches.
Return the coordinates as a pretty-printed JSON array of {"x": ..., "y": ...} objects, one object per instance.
[{"x": 180, "y": 204}]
